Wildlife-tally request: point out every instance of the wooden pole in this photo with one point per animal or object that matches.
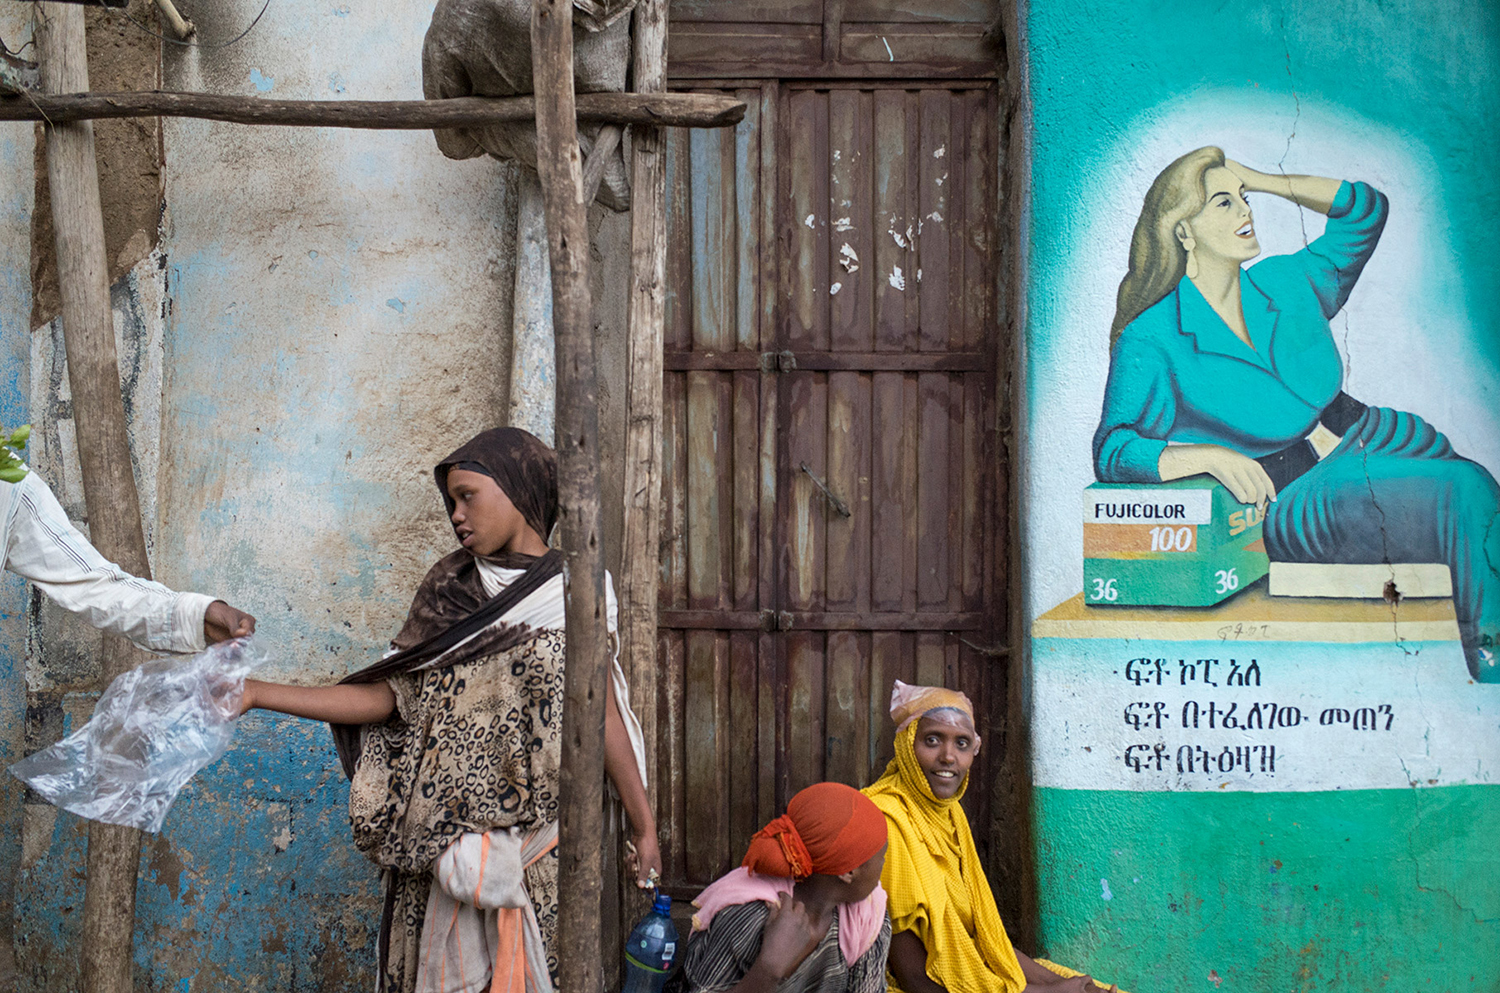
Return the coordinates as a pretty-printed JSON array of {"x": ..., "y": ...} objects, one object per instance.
[
  {"x": 104, "y": 456},
  {"x": 687, "y": 110},
  {"x": 640, "y": 566},
  {"x": 580, "y": 845}
]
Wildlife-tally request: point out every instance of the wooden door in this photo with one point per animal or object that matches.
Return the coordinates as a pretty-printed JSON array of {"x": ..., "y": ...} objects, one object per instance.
[{"x": 832, "y": 449}]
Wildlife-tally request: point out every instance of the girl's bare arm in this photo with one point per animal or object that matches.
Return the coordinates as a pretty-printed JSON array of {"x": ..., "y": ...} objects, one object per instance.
[
  {"x": 363, "y": 703},
  {"x": 619, "y": 765}
]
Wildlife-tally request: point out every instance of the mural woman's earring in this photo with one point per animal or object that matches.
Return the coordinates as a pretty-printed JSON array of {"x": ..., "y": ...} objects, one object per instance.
[{"x": 1192, "y": 260}]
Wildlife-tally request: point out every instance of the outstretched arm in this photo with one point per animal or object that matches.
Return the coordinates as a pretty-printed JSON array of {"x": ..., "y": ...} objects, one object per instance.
[
  {"x": 908, "y": 964},
  {"x": 1312, "y": 192},
  {"x": 346, "y": 703},
  {"x": 45, "y": 547}
]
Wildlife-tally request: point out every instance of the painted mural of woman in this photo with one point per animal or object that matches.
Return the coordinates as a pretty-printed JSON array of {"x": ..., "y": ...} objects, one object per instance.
[{"x": 1231, "y": 371}]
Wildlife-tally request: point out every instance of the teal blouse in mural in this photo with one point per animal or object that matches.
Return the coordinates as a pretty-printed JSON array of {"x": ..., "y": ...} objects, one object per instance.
[
  {"x": 1179, "y": 373},
  {"x": 1393, "y": 490}
]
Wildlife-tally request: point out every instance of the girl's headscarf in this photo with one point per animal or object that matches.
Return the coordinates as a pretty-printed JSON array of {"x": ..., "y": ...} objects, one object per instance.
[
  {"x": 828, "y": 828},
  {"x": 451, "y": 604},
  {"x": 932, "y": 874},
  {"x": 523, "y": 467}
]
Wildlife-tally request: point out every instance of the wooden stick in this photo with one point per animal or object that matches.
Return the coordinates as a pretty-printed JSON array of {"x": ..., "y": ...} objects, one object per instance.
[
  {"x": 580, "y": 823},
  {"x": 104, "y": 456},
  {"x": 598, "y": 160},
  {"x": 181, "y": 27},
  {"x": 685, "y": 110},
  {"x": 640, "y": 566},
  {"x": 92, "y": 3}
]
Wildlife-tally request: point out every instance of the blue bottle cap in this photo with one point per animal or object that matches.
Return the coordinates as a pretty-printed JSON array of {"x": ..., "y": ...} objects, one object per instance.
[{"x": 663, "y": 904}]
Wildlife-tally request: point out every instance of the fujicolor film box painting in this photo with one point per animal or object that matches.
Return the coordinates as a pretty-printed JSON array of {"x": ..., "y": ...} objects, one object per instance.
[{"x": 1187, "y": 543}]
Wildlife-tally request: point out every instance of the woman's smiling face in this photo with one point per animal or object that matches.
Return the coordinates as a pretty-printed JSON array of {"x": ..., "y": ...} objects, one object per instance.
[
  {"x": 946, "y": 744},
  {"x": 1224, "y": 228}
]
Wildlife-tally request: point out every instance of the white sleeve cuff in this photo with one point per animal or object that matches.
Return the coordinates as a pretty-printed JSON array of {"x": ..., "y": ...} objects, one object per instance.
[{"x": 187, "y": 621}]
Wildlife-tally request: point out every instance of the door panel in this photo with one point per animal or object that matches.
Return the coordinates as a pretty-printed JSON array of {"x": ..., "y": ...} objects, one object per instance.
[{"x": 830, "y": 444}]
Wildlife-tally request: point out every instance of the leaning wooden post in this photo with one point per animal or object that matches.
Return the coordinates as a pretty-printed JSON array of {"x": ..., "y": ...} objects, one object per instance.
[
  {"x": 581, "y": 812},
  {"x": 640, "y": 567},
  {"x": 103, "y": 453}
]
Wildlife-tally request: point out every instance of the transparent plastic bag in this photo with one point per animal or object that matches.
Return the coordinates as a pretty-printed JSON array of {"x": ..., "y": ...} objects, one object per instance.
[{"x": 152, "y": 730}]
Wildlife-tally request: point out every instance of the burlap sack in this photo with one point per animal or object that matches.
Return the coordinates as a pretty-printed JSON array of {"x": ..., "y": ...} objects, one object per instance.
[{"x": 483, "y": 48}]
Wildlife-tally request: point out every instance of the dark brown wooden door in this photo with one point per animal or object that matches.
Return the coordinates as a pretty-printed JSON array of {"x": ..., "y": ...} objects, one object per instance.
[{"x": 832, "y": 520}]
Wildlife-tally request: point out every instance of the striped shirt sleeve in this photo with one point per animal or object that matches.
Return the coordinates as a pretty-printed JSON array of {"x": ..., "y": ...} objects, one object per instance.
[{"x": 43, "y": 546}]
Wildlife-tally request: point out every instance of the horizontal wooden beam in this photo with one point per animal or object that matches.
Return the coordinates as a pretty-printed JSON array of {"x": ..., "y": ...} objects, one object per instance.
[
  {"x": 94, "y": 3},
  {"x": 818, "y": 620},
  {"x": 679, "y": 110},
  {"x": 790, "y": 361}
]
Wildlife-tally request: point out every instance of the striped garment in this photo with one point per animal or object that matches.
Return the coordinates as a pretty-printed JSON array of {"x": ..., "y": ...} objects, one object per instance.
[
  {"x": 718, "y": 958},
  {"x": 38, "y": 541}
]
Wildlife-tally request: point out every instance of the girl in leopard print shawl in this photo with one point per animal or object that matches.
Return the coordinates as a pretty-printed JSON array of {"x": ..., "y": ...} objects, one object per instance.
[{"x": 457, "y": 730}]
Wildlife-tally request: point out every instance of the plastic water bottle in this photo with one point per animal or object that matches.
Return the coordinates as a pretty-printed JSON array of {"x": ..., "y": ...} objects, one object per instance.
[{"x": 651, "y": 949}]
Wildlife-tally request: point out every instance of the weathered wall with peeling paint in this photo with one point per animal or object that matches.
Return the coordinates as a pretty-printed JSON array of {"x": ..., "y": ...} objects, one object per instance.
[
  {"x": 326, "y": 314},
  {"x": 1174, "y": 849},
  {"x": 16, "y": 177}
]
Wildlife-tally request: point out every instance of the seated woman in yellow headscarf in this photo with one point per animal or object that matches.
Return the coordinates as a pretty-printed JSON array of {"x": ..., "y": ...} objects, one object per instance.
[{"x": 946, "y": 935}]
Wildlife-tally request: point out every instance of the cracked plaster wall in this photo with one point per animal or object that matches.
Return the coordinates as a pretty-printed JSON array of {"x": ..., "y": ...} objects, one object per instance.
[
  {"x": 323, "y": 315},
  {"x": 1366, "y": 861},
  {"x": 16, "y": 197}
]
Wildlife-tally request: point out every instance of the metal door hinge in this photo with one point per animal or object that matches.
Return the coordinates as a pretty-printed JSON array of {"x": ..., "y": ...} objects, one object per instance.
[
  {"x": 775, "y": 620},
  {"x": 782, "y": 361}
]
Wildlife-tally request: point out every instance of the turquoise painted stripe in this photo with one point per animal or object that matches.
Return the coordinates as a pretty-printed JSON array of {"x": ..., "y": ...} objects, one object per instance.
[{"x": 1273, "y": 892}]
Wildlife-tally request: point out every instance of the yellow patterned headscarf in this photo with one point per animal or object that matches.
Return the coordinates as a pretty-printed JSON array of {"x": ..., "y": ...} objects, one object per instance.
[{"x": 929, "y": 842}]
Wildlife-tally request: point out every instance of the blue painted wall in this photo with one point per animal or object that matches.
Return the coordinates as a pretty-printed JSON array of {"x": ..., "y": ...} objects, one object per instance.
[
  {"x": 327, "y": 315},
  {"x": 16, "y": 144},
  {"x": 252, "y": 884}
]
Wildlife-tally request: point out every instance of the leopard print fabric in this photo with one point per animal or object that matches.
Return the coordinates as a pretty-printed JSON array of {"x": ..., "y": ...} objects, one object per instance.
[{"x": 472, "y": 747}]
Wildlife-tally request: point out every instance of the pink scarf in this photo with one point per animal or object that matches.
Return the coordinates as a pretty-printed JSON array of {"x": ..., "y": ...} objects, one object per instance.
[{"x": 859, "y": 923}]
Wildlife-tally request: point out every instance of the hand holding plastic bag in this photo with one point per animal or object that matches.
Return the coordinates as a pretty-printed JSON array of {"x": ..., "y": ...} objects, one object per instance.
[{"x": 152, "y": 730}]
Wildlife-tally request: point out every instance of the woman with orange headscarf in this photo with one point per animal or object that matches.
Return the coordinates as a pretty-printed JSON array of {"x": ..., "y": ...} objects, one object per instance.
[
  {"x": 947, "y": 936},
  {"x": 804, "y": 913}
]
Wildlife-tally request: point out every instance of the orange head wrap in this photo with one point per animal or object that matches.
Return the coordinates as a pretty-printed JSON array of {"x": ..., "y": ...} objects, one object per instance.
[
  {"x": 910, "y": 702},
  {"x": 828, "y": 828}
]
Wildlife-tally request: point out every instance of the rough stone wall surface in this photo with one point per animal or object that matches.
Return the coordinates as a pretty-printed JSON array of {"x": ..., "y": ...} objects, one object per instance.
[
  {"x": 325, "y": 315},
  {"x": 122, "y": 56},
  {"x": 16, "y": 197}
]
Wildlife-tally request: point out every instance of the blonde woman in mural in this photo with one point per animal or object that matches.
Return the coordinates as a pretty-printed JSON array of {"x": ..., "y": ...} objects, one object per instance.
[{"x": 1233, "y": 372}]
